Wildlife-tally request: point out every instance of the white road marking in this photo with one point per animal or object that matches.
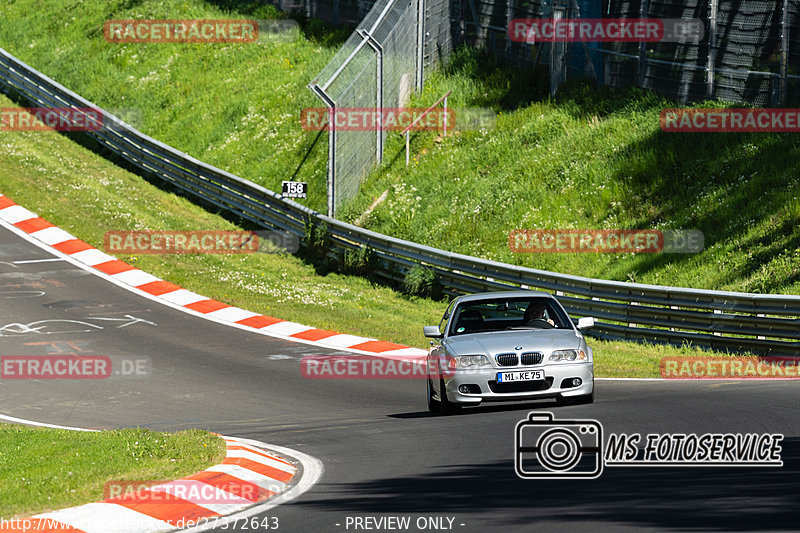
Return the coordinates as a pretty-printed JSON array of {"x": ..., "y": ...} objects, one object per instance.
[
  {"x": 41, "y": 424},
  {"x": 28, "y": 261}
]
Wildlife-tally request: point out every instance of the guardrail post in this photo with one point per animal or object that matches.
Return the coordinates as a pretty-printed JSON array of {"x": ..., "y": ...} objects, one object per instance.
[{"x": 630, "y": 324}]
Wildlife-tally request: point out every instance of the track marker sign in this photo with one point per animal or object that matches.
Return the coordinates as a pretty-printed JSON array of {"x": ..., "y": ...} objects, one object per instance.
[{"x": 294, "y": 189}]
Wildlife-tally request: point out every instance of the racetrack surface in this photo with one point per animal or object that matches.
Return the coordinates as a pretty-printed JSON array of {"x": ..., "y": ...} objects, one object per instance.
[{"x": 383, "y": 454}]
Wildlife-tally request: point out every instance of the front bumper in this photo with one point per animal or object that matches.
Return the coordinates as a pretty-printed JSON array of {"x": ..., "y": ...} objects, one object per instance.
[{"x": 490, "y": 390}]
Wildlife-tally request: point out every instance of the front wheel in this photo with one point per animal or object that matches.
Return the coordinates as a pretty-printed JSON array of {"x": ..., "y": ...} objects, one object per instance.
[
  {"x": 434, "y": 405},
  {"x": 448, "y": 407}
]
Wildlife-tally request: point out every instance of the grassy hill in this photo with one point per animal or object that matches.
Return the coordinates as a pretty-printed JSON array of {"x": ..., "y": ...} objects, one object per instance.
[
  {"x": 235, "y": 105},
  {"x": 596, "y": 159},
  {"x": 589, "y": 159}
]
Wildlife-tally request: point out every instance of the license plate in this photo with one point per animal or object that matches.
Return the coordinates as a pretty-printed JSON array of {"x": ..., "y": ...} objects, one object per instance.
[{"x": 525, "y": 375}]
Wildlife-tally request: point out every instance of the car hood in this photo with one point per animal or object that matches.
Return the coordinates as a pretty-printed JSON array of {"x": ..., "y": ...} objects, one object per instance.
[{"x": 541, "y": 340}]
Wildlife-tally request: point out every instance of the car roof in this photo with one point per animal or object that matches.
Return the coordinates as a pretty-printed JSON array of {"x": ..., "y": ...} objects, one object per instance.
[{"x": 502, "y": 294}]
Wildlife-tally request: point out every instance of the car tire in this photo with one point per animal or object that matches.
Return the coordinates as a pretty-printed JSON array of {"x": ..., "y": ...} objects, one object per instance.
[
  {"x": 448, "y": 407},
  {"x": 434, "y": 405}
]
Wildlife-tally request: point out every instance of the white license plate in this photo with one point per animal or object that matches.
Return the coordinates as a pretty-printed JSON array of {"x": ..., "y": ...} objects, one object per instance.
[{"x": 525, "y": 375}]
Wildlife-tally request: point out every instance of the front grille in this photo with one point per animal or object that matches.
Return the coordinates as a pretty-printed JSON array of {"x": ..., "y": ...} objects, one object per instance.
[
  {"x": 532, "y": 358},
  {"x": 507, "y": 359},
  {"x": 521, "y": 386}
]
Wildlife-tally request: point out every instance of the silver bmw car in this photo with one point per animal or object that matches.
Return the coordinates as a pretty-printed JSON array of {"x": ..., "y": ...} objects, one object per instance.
[{"x": 513, "y": 345}]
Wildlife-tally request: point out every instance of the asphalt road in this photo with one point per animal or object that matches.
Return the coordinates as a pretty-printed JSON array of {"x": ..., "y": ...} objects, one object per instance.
[{"x": 383, "y": 454}]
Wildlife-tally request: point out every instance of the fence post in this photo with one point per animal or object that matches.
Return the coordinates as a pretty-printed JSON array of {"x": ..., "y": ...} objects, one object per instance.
[
  {"x": 375, "y": 45},
  {"x": 479, "y": 29},
  {"x": 420, "y": 44},
  {"x": 784, "y": 51},
  {"x": 331, "y": 146},
  {"x": 644, "y": 9},
  {"x": 557, "y": 51},
  {"x": 712, "y": 43},
  {"x": 509, "y": 18}
]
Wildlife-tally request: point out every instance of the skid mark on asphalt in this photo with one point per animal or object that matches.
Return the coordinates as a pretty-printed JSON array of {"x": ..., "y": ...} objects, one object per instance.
[
  {"x": 13, "y": 295},
  {"x": 48, "y": 326},
  {"x": 63, "y": 346}
]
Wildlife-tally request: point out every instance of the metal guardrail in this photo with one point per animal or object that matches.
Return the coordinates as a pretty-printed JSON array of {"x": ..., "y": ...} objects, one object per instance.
[{"x": 765, "y": 324}]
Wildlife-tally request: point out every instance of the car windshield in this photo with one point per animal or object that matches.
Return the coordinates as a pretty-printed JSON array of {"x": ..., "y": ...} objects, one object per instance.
[{"x": 526, "y": 313}]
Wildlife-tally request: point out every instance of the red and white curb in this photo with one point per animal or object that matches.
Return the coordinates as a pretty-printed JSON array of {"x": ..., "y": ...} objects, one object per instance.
[
  {"x": 52, "y": 238},
  {"x": 251, "y": 479}
]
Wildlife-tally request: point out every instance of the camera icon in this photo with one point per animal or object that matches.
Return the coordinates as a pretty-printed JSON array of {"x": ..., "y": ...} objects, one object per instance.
[{"x": 556, "y": 449}]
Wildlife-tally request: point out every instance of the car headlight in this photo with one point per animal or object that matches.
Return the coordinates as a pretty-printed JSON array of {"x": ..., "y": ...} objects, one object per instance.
[
  {"x": 567, "y": 356},
  {"x": 468, "y": 361}
]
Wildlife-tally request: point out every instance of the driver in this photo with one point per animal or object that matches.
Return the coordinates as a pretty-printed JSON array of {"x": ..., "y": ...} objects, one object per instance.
[{"x": 536, "y": 311}]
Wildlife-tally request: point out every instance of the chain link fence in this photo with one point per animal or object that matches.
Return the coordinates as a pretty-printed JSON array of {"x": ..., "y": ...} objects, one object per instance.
[
  {"x": 750, "y": 53},
  {"x": 378, "y": 66}
]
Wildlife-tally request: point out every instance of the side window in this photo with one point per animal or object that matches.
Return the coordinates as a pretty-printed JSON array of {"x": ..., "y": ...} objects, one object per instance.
[{"x": 446, "y": 317}]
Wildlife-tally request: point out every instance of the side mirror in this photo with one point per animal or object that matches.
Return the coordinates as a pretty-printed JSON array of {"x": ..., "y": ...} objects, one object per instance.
[
  {"x": 586, "y": 322},
  {"x": 432, "y": 332}
]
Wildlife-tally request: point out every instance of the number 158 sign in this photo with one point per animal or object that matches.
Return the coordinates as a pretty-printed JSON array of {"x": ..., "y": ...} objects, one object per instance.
[{"x": 294, "y": 189}]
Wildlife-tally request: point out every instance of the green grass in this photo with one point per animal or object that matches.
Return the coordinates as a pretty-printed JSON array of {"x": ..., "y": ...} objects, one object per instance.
[
  {"x": 45, "y": 469},
  {"x": 87, "y": 196},
  {"x": 588, "y": 159},
  {"x": 235, "y": 106},
  {"x": 594, "y": 158}
]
